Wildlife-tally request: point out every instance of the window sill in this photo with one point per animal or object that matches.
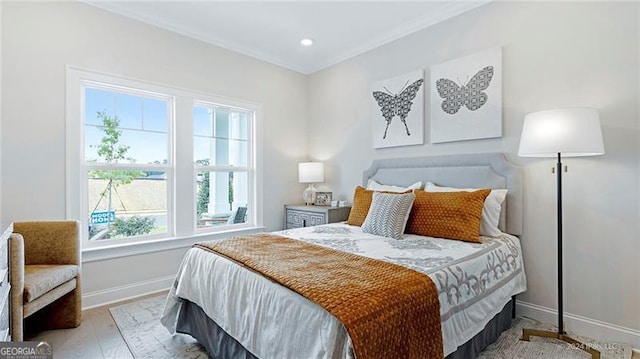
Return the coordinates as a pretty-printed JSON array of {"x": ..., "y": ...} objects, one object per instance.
[{"x": 164, "y": 244}]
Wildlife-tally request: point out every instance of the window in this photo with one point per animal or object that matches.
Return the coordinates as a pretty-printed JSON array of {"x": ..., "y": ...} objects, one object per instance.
[
  {"x": 148, "y": 162},
  {"x": 222, "y": 159}
]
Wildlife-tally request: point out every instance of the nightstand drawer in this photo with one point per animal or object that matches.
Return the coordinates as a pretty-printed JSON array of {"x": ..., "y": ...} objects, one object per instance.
[
  {"x": 297, "y": 219},
  {"x": 4, "y": 312},
  {"x": 307, "y": 216},
  {"x": 4, "y": 265}
]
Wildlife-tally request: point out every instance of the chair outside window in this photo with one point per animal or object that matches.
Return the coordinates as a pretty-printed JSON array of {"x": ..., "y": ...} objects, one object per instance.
[{"x": 238, "y": 216}]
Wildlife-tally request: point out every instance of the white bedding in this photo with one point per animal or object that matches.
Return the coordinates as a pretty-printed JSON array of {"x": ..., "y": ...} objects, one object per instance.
[{"x": 475, "y": 281}]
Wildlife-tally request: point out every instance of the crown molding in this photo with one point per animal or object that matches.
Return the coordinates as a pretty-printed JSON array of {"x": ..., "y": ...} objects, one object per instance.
[
  {"x": 454, "y": 9},
  {"x": 451, "y": 10}
]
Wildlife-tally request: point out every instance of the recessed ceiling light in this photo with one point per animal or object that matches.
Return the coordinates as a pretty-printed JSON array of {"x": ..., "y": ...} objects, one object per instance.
[{"x": 306, "y": 42}]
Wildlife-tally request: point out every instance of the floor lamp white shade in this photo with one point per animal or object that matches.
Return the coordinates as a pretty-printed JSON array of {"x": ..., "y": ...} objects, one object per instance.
[
  {"x": 569, "y": 131},
  {"x": 310, "y": 172}
]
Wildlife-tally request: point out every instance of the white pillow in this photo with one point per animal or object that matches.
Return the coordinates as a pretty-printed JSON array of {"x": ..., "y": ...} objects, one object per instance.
[
  {"x": 388, "y": 214},
  {"x": 490, "y": 211},
  {"x": 375, "y": 186}
]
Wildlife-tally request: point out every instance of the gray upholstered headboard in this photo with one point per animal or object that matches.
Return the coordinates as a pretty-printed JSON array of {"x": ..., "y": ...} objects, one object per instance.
[{"x": 485, "y": 170}]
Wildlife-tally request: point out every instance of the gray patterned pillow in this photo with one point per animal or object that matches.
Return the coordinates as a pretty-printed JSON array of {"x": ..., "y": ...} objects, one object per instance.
[{"x": 388, "y": 214}]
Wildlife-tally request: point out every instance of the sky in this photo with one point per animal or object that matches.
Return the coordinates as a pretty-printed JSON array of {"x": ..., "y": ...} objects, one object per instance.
[{"x": 144, "y": 122}]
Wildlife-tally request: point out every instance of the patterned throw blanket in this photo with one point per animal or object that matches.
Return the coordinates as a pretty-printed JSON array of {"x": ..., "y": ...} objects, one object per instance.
[{"x": 389, "y": 311}]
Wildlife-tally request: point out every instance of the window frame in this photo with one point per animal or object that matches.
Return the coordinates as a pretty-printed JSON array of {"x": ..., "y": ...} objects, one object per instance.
[{"x": 182, "y": 228}]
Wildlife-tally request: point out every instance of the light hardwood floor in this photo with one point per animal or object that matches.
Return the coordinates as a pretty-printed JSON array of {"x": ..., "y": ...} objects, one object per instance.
[{"x": 97, "y": 337}]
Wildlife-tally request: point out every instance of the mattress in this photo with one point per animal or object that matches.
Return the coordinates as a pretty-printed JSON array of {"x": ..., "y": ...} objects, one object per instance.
[{"x": 474, "y": 280}]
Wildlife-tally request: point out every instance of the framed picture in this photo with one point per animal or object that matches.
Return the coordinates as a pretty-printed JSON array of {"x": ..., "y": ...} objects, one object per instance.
[
  {"x": 398, "y": 110},
  {"x": 466, "y": 97},
  {"x": 323, "y": 198}
]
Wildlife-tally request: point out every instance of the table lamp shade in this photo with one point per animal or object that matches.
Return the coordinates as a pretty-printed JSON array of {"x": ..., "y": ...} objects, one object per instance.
[
  {"x": 571, "y": 132},
  {"x": 310, "y": 172}
]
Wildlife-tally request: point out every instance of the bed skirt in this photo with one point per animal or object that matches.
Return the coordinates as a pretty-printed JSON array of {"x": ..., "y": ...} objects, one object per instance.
[
  {"x": 193, "y": 321},
  {"x": 498, "y": 324}
]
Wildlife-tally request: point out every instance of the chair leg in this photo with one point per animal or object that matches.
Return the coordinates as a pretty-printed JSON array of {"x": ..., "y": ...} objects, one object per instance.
[{"x": 65, "y": 312}]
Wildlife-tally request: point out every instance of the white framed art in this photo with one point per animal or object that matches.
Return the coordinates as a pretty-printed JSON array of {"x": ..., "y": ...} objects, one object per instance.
[
  {"x": 398, "y": 111},
  {"x": 466, "y": 97}
]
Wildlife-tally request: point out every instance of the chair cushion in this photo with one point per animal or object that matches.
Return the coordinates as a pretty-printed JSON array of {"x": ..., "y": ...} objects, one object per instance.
[
  {"x": 41, "y": 278},
  {"x": 48, "y": 298}
]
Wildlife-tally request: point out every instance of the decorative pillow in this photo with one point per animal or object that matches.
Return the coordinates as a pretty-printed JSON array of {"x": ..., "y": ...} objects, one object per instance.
[
  {"x": 375, "y": 186},
  {"x": 388, "y": 214},
  {"x": 453, "y": 215},
  {"x": 490, "y": 212},
  {"x": 360, "y": 206}
]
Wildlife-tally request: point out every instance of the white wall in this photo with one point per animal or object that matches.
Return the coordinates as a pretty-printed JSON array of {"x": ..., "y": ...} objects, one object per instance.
[
  {"x": 1, "y": 221},
  {"x": 40, "y": 39},
  {"x": 554, "y": 55}
]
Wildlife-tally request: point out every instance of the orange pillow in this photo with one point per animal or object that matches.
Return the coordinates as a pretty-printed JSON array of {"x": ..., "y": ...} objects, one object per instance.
[
  {"x": 362, "y": 198},
  {"x": 453, "y": 215},
  {"x": 360, "y": 206}
]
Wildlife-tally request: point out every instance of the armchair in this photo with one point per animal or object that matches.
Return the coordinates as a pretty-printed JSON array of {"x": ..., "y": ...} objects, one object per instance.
[{"x": 44, "y": 259}]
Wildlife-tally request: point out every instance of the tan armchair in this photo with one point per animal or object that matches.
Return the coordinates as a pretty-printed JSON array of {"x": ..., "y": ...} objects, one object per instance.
[{"x": 44, "y": 258}]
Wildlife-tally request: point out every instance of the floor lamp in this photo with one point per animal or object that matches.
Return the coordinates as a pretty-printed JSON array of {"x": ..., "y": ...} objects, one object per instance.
[{"x": 568, "y": 132}]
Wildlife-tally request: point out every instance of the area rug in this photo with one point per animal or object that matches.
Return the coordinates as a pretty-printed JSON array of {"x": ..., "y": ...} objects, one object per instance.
[
  {"x": 509, "y": 345},
  {"x": 139, "y": 323}
]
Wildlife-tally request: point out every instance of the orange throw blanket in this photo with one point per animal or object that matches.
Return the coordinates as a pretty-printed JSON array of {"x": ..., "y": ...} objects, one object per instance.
[{"x": 388, "y": 310}]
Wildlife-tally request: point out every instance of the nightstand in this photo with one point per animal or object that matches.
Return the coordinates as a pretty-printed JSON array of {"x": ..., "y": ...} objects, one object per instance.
[{"x": 296, "y": 216}]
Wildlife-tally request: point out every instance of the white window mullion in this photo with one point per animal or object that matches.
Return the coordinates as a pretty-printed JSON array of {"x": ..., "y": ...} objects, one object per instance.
[
  {"x": 256, "y": 175},
  {"x": 171, "y": 159},
  {"x": 126, "y": 166},
  {"x": 171, "y": 198},
  {"x": 184, "y": 175}
]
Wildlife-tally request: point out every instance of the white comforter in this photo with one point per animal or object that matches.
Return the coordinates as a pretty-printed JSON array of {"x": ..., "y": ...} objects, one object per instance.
[{"x": 475, "y": 281}]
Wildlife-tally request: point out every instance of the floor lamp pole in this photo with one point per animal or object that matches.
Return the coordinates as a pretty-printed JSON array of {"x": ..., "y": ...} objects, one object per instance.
[
  {"x": 559, "y": 214},
  {"x": 560, "y": 334}
]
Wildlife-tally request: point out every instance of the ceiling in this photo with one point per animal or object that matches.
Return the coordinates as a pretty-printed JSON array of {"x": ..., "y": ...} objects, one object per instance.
[{"x": 271, "y": 31}]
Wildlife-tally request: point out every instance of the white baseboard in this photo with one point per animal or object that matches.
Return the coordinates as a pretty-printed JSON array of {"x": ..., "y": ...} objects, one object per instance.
[
  {"x": 124, "y": 292},
  {"x": 582, "y": 325}
]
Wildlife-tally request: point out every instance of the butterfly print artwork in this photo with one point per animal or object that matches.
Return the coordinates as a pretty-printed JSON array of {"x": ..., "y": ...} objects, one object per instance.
[
  {"x": 470, "y": 95},
  {"x": 399, "y": 104}
]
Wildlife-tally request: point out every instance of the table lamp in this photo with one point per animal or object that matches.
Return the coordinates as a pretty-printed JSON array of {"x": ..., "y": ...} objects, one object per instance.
[{"x": 310, "y": 172}]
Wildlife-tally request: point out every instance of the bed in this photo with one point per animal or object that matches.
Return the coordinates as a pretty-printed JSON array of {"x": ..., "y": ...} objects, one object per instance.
[{"x": 236, "y": 313}]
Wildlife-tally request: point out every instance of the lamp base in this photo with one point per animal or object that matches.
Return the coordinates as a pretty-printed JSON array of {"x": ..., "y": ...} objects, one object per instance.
[
  {"x": 526, "y": 333},
  {"x": 309, "y": 195}
]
